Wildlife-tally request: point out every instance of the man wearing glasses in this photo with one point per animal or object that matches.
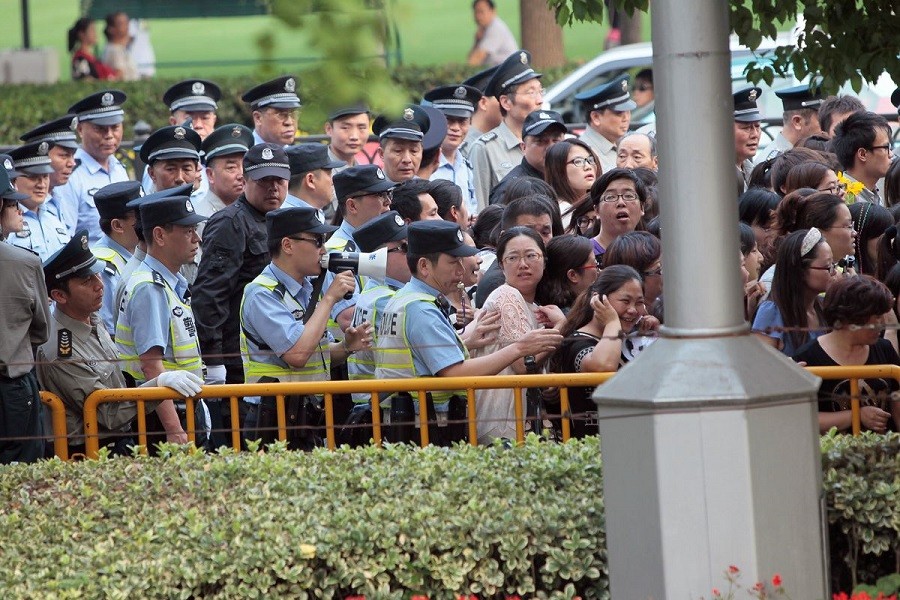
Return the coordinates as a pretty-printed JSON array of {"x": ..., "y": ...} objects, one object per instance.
[
  {"x": 608, "y": 108},
  {"x": 274, "y": 105},
  {"x": 542, "y": 129},
  {"x": 862, "y": 144},
  {"x": 363, "y": 193}
]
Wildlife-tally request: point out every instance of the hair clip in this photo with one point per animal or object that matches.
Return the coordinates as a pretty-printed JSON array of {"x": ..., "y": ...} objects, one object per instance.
[{"x": 812, "y": 237}]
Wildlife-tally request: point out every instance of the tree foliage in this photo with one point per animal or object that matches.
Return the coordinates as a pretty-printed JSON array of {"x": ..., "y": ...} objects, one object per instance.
[{"x": 839, "y": 40}]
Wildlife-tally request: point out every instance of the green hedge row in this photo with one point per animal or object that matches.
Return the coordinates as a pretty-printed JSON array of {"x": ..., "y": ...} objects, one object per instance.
[
  {"x": 25, "y": 106},
  {"x": 485, "y": 521}
]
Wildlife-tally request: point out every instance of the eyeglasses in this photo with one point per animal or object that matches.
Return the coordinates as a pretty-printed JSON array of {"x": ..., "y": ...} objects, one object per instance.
[
  {"x": 580, "y": 161},
  {"x": 656, "y": 271},
  {"x": 531, "y": 93},
  {"x": 530, "y": 258},
  {"x": 594, "y": 265},
  {"x": 585, "y": 222},
  {"x": 834, "y": 188},
  {"x": 402, "y": 248},
  {"x": 317, "y": 241},
  {"x": 882, "y": 147},
  {"x": 386, "y": 197},
  {"x": 832, "y": 269},
  {"x": 612, "y": 197}
]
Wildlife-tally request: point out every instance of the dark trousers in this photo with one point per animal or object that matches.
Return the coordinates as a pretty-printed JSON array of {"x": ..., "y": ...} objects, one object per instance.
[{"x": 21, "y": 424}]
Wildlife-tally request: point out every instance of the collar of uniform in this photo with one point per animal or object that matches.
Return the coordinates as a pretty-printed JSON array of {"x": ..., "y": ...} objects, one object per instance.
[
  {"x": 595, "y": 139},
  {"x": 212, "y": 201},
  {"x": 508, "y": 137},
  {"x": 139, "y": 254},
  {"x": 78, "y": 328},
  {"x": 417, "y": 285},
  {"x": 531, "y": 171},
  {"x": 176, "y": 281},
  {"x": 299, "y": 290},
  {"x": 108, "y": 242},
  {"x": 257, "y": 215},
  {"x": 345, "y": 230},
  {"x": 292, "y": 200},
  {"x": 91, "y": 164},
  {"x": 392, "y": 283}
]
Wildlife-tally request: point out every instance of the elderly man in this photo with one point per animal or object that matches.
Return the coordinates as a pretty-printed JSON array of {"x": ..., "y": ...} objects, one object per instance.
[
  {"x": 608, "y": 108},
  {"x": 274, "y": 104},
  {"x": 636, "y": 150}
]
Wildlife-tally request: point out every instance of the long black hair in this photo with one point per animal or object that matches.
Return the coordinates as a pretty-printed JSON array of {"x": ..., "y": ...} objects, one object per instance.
[{"x": 79, "y": 27}]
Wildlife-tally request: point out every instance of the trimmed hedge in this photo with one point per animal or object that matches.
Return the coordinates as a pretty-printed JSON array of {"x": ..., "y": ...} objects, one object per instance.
[
  {"x": 25, "y": 106},
  {"x": 384, "y": 523}
]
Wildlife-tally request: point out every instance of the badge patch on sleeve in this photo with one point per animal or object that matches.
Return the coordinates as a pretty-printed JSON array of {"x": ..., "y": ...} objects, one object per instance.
[{"x": 64, "y": 343}]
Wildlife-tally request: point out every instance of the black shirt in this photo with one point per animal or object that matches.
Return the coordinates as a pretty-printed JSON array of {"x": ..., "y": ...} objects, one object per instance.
[{"x": 523, "y": 169}]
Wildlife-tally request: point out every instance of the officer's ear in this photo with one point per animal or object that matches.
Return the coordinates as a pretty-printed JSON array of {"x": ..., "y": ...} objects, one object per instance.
[
  {"x": 594, "y": 116},
  {"x": 505, "y": 102},
  {"x": 59, "y": 295},
  {"x": 797, "y": 121},
  {"x": 257, "y": 118}
]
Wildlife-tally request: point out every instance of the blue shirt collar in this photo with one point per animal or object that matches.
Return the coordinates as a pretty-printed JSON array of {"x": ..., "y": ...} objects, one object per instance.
[
  {"x": 176, "y": 281},
  {"x": 91, "y": 164},
  {"x": 114, "y": 245},
  {"x": 346, "y": 229},
  {"x": 300, "y": 290},
  {"x": 417, "y": 285}
]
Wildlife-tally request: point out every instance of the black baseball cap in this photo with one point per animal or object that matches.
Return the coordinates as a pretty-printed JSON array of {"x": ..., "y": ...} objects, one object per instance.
[{"x": 430, "y": 237}]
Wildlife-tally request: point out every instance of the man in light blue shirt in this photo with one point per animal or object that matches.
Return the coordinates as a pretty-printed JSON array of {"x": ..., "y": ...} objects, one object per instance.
[
  {"x": 100, "y": 118},
  {"x": 59, "y": 133}
]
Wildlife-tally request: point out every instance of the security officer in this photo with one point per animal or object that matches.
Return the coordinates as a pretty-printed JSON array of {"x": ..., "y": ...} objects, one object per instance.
[
  {"x": 80, "y": 358},
  {"x": 44, "y": 231},
  {"x": 363, "y": 193},
  {"x": 800, "y": 118},
  {"x": 117, "y": 245},
  {"x": 542, "y": 129},
  {"x": 487, "y": 110},
  {"x": 283, "y": 316},
  {"x": 457, "y": 102},
  {"x": 172, "y": 156},
  {"x": 608, "y": 108},
  {"x": 518, "y": 90},
  {"x": 400, "y": 142},
  {"x": 414, "y": 336},
  {"x": 274, "y": 105},
  {"x": 60, "y": 134},
  {"x": 348, "y": 130},
  {"x": 311, "y": 176},
  {"x": 24, "y": 323},
  {"x": 99, "y": 126},
  {"x": 746, "y": 130}
]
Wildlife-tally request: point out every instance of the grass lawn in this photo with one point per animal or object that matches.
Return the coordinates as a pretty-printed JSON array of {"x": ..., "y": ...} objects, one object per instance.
[{"x": 431, "y": 32}]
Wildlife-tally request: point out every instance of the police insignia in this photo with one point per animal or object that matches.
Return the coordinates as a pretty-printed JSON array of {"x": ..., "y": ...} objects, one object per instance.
[
  {"x": 74, "y": 124},
  {"x": 523, "y": 58},
  {"x": 459, "y": 92},
  {"x": 298, "y": 314},
  {"x": 752, "y": 96},
  {"x": 7, "y": 164},
  {"x": 84, "y": 242},
  {"x": 408, "y": 114},
  {"x": 198, "y": 88},
  {"x": 106, "y": 99},
  {"x": 178, "y": 134},
  {"x": 236, "y": 132},
  {"x": 290, "y": 85},
  {"x": 459, "y": 235},
  {"x": 43, "y": 148},
  {"x": 64, "y": 343},
  {"x": 544, "y": 115},
  {"x": 379, "y": 173},
  {"x": 624, "y": 85},
  {"x": 158, "y": 279},
  {"x": 320, "y": 216},
  {"x": 177, "y": 311},
  {"x": 267, "y": 154},
  {"x": 398, "y": 220}
]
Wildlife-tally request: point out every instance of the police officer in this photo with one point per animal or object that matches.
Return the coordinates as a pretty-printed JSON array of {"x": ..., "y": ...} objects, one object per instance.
[
  {"x": 348, "y": 130},
  {"x": 746, "y": 130},
  {"x": 117, "y": 245},
  {"x": 172, "y": 156},
  {"x": 400, "y": 142},
  {"x": 414, "y": 336},
  {"x": 60, "y": 134},
  {"x": 11, "y": 219},
  {"x": 223, "y": 156},
  {"x": 363, "y": 193},
  {"x": 44, "y": 231},
  {"x": 457, "y": 102},
  {"x": 800, "y": 119},
  {"x": 80, "y": 358},
  {"x": 517, "y": 88},
  {"x": 283, "y": 336},
  {"x": 608, "y": 108},
  {"x": 99, "y": 126},
  {"x": 274, "y": 105},
  {"x": 542, "y": 129},
  {"x": 311, "y": 181},
  {"x": 24, "y": 323},
  {"x": 487, "y": 110}
]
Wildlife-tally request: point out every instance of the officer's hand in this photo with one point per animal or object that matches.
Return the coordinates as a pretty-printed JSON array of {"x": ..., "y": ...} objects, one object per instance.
[
  {"x": 179, "y": 437},
  {"x": 483, "y": 330},
  {"x": 343, "y": 283},
  {"x": 183, "y": 382},
  {"x": 538, "y": 341},
  {"x": 359, "y": 337},
  {"x": 215, "y": 375}
]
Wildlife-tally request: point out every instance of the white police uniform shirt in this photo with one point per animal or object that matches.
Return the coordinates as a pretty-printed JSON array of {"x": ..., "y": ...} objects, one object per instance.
[
  {"x": 258, "y": 140},
  {"x": 460, "y": 173},
  {"x": 779, "y": 145},
  {"x": 43, "y": 233},
  {"x": 111, "y": 277},
  {"x": 76, "y": 198},
  {"x": 602, "y": 147},
  {"x": 196, "y": 195},
  {"x": 492, "y": 156}
]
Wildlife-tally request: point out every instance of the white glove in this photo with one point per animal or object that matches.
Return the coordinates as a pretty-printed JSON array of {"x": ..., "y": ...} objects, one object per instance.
[
  {"x": 215, "y": 375},
  {"x": 183, "y": 382}
]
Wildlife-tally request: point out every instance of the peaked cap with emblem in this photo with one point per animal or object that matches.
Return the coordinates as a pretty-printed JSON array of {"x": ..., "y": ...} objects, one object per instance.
[
  {"x": 454, "y": 100},
  {"x": 179, "y": 190},
  {"x": 359, "y": 180},
  {"x": 411, "y": 125},
  {"x": 112, "y": 200},
  {"x": 745, "y": 108},
  {"x": 192, "y": 95},
  {"x": 430, "y": 237},
  {"x": 7, "y": 162},
  {"x": 613, "y": 95},
  {"x": 277, "y": 93},
  {"x": 75, "y": 259},
  {"x": 7, "y": 191},
  {"x": 808, "y": 95},
  {"x": 516, "y": 69},
  {"x": 232, "y": 138},
  {"x": 102, "y": 108},
  {"x": 32, "y": 159},
  {"x": 310, "y": 156},
  {"x": 174, "y": 210},
  {"x": 480, "y": 80},
  {"x": 539, "y": 121},
  {"x": 58, "y": 132},
  {"x": 386, "y": 227},
  {"x": 266, "y": 160},
  {"x": 291, "y": 220},
  {"x": 171, "y": 142}
]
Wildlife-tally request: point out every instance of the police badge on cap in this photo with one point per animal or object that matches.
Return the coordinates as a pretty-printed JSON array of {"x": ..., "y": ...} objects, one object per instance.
[{"x": 267, "y": 154}]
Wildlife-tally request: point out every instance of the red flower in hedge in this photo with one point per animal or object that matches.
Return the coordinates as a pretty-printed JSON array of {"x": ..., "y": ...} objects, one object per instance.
[{"x": 776, "y": 580}]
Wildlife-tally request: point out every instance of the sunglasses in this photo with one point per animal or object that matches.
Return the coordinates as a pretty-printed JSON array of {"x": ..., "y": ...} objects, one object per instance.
[
  {"x": 402, "y": 248},
  {"x": 318, "y": 242}
]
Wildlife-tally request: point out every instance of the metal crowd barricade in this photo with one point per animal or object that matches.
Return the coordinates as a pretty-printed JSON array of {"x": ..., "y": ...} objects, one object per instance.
[
  {"x": 854, "y": 374},
  {"x": 58, "y": 414}
]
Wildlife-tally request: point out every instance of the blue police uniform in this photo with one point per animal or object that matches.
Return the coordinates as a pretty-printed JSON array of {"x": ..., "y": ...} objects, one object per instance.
[
  {"x": 44, "y": 232},
  {"x": 77, "y": 197},
  {"x": 460, "y": 173},
  {"x": 116, "y": 257},
  {"x": 342, "y": 239},
  {"x": 370, "y": 305}
]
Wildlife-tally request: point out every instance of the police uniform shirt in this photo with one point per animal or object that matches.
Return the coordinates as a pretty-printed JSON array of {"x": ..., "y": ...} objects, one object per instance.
[
  {"x": 471, "y": 138},
  {"x": 43, "y": 233},
  {"x": 25, "y": 311},
  {"x": 196, "y": 195},
  {"x": 342, "y": 239},
  {"x": 131, "y": 266},
  {"x": 459, "y": 172},
  {"x": 291, "y": 201},
  {"x": 79, "y": 359},
  {"x": 494, "y": 155},
  {"x": 779, "y": 145},
  {"x": 602, "y": 147},
  {"x": 77, "y": 197},
  {"x": 258, "y": 140},
  {"x": 111, "y": 275}
]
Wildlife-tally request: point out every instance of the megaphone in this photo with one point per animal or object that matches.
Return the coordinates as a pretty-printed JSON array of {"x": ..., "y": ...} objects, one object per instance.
[{"x": 364, "y": 264}]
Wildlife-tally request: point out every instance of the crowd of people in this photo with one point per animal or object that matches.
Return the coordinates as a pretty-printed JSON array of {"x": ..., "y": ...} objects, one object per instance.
[
  {"x": 128, "y": 54},
  {"x": 509, "y": 246}
]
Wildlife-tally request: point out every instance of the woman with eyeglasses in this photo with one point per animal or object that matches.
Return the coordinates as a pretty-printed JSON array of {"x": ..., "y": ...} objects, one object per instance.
[
  {"x": 583, "y": 218},
  {"x": 522, "y": 256},
  {"x": 854, "y": 309},
  {"x": 815, "y": 175},
  {"x": 618, "y": 197},
  {"x": 793, "y": 315},
  {"x": 571, "y": 269},
  {"x": 571, "y": 168}
]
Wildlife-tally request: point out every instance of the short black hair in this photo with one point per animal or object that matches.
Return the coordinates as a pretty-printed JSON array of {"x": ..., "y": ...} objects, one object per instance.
[
  {"x": 489, "y": 3},
  {"x": 412, "y": 260},
  {"x": 837, "y": 104},
  {"x": 447, "y": 195},
  {"x": 855, "y": 132},
  {"x": 529, "y": 205},
  {"x": 406, "y": 198}
]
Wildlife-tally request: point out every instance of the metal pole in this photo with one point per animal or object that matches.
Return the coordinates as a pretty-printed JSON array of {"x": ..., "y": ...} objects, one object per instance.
[{"x": 26, "y": 33}]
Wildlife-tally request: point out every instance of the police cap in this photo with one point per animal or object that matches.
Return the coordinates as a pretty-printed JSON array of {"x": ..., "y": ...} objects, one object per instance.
[
  {"x": 232, "y": 138},
  {"x": 430, "y": 237},
  {"x": 386, "y": 227},
  {"x": 516, "y": 69},
  {"x": 167, "y": 143},
  {"x": 612, "y": 94},
  {"x": 179, "y": 190},
  {"x": 59, "y": 132},
  {"x": 7, "y": 191},
  {"x": 102, "y": 108},
  {"x": 310, "y": 156},
  {"x": 75, "y": 259},
  {"x": 745, "y": 108},
  {"x": 174, "y": 210},
  {"x": 359, "y": 180},
  {"x": 480, "y": 80},
  {"x": 32, "y": 159},
  {"x": 436, "y": 131},
  {"x": 539, "y": 121},
  {"x": 291, "y": 220},
  {"x": 277, "y": 93},
  {"x": 193, "y": 95},
  {"x": 410, "y": 125},
  {"x": 7, "y": 162},
  {"x": 266, "y": 160},
  {"x": 348, "y": 111},
  {"x": 112, "y": 200},
  {"x": 808, "y": 95},
  {"x": 454, "y": 100}
]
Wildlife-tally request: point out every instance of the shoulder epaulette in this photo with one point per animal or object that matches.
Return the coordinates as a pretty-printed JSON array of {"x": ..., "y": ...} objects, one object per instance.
[
  {"x": 64, "y": 343},
  {"x": 158, "y": 279},
  {"x": 487, "y": 137}
]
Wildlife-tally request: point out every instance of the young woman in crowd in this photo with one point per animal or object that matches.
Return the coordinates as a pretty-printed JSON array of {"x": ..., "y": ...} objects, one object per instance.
[
  {"x": 571, "y": 269},
  {"x": 613, "y": 305},
  {"x": 863, "y": 301},
  {"x": 82, "y": 39},
  {"x": 618, "y": 197},
  {"x": 870, "y": 221},
  {"x": 816, "y": 175},
  {"x": 756, "y": 208},
  {"x": 570, "y": 168},
  {"x": 643, "y": 252},
  {"x": 582, "y": 218},
  {"x": 751, "y": 261},
  {"x": 804, "y": 269}
]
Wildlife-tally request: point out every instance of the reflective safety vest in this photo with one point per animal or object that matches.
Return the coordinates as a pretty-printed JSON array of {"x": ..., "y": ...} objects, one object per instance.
[
  {"x": 394, "y": 353},
  {"x": 114, "y": 260},
  {"x": 318, "y": 366},
  {"x": 361, "y": 365},
  {"x": 182, "y": 329}
]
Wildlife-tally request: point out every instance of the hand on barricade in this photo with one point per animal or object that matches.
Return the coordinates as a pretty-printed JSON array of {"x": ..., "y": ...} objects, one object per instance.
[
  {"x": 874, "y": 418},
  {"x": 183, "y": 382},
  {"x": 215, "y": 375}
]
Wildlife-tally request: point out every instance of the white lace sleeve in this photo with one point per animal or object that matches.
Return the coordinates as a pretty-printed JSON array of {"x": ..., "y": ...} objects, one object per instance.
[{"x": 516, "y": 317}]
